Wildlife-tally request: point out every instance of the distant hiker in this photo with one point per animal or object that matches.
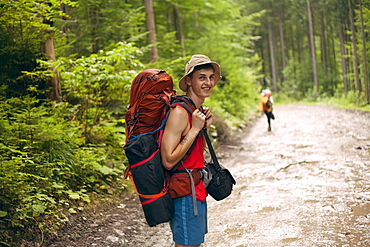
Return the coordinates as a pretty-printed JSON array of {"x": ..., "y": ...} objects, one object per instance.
[
  {"x": 266, "y": 106},
  {"x": 181, "y": 131}
]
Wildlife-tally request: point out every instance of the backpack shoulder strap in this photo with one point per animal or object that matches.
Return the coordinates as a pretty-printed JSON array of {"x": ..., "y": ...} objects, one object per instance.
[
  {"x": 189, "y": 105},
  {"x": 184, "y": 101}
]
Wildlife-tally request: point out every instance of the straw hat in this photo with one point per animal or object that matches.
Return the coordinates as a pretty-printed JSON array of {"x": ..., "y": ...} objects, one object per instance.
[{"x": 195, "y": 61}]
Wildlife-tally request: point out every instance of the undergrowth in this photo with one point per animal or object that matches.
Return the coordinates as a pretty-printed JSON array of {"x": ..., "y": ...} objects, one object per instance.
[{"x": 48, "y": 169}]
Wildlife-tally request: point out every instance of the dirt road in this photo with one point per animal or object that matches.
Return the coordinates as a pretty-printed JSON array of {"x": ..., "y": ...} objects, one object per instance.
[{"x": 305, "y": 183}]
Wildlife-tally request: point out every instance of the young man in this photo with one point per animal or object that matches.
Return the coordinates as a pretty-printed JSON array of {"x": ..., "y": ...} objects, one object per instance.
[{"x": 181, "y": 130}]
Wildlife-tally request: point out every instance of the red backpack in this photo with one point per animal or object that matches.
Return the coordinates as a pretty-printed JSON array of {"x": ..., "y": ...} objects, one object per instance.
[{"x": 150, "y": 97}]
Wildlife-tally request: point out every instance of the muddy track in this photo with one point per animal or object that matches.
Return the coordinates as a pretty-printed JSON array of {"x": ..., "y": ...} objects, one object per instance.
[{"x": 305, "y": 183}]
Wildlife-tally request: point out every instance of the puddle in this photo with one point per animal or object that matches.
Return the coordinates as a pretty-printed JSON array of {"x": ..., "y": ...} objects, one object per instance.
[
  {"x": 361, "y": 210},
  {"x": 266, "y": 209}
]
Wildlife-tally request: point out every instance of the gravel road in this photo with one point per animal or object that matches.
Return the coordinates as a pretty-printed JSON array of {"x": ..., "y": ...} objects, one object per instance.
[{"x": 305, "y": 183}]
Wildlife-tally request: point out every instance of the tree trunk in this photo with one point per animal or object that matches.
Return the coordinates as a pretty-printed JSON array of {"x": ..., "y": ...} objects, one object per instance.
[
  {"x": 343, "y": 55},
  {"x": 293, "y": 47},
  {"x": 177, "y": 23},
  {"x": 282, "y": 45},
  {"x": 55, "y": 92},
  {"x": 366, "y": 75},
  {"x": 300, "y": 45},
  {"x": 312, "y": 45},
  {"x": 272, "y": 58},
  {"x": 150, "y": 25},
  {"x": 47, "y": 47},
  {"x": 261, "y": 48},
  {"x": 94, "y": 20},
  {"x": 64, "y": 18},
  {"x": 354, "y": 45},
  {"x": 323, "y": 44}
]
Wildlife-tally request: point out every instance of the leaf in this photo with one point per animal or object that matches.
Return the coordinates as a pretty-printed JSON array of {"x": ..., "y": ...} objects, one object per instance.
[
  {"x": 3, "y": 213},
  {"x": 105, "y": 170},
  {"x": 38, "y": 209},
  {"x": 58, "y": 185},
  {"x": 86, "y": 198},
  {"x": 72, "y": 211},
  {"x": 73, "y": 195}
]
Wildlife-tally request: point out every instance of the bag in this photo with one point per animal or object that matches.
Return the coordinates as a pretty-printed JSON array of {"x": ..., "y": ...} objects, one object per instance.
[
  {"x": 221, "y": 184},
  {"x": 150, "y": 97},
  {"x": 147, "y": 174},
  {"x": 269, "y": 104}
]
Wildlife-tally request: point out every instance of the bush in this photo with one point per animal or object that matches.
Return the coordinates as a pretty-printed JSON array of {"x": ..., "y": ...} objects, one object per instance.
[{"x": 45, "y": 168}]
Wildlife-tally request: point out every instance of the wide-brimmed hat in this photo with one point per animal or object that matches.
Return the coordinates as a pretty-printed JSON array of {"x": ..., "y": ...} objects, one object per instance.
[
  {"x": 266, "y": 92},
  {"x": 195, "y": 61}
]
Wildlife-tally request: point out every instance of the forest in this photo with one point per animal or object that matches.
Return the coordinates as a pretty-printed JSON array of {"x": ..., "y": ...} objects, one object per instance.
[{"x": 66, "y": 67}]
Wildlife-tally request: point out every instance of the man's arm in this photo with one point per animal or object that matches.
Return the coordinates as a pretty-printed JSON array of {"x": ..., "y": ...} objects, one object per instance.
[{"x": 173, "y": 148}]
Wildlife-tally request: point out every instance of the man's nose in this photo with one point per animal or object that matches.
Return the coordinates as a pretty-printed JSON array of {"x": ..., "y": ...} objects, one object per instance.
[{"x": 209, "y": 81}]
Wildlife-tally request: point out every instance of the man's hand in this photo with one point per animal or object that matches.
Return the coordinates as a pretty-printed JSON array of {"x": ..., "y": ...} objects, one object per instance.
[
  {"x": 209, "y": 116},
  {"x": 198, "y": 119}
]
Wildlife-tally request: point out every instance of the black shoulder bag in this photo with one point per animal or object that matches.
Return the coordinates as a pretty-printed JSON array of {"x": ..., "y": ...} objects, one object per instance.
[{"x": 221, "y": 184}]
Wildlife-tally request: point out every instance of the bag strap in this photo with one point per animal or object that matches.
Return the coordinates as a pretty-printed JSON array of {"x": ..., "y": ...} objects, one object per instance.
[
  {"x": 185, "y": 101},
  {"x": 215, "y": 163},
  {"x": 211, "y": 150},
  {"x": 189, "y": 105}
]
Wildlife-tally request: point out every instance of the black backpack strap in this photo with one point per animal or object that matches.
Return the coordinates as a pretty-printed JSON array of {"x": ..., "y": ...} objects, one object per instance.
[
  {"x": 184, "y": 101},
  {"x": 189, "y": 105},
  {"x": 211, "y": 150}
]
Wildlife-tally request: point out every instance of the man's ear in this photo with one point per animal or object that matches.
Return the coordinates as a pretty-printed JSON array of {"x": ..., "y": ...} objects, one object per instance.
[{"x": 188, "y": 81}]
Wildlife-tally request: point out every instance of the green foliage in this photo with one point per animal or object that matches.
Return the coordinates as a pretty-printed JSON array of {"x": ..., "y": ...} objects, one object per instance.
[
  {"x": 23, "y": 25},
  {"x": 220, "y": 30},
  {"x": 44, "y": 166},
  {"x": 352, "y": 100},
  {"x": 29, "y": 19},
  {"x": 299, "y": 80},
  {"x": 95, "y": 25},
  {"x": 98, "y": 86}
]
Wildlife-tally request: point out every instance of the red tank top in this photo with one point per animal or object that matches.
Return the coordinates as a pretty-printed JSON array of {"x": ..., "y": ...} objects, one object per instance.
[{"x": 195, "y": 160}]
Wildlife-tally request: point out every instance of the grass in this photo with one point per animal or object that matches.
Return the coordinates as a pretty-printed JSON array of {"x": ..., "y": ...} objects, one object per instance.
[{"x": 351, "y": 101}]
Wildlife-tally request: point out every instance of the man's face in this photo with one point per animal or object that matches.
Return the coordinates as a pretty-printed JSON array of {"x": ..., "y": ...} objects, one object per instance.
[{"x": 201, "y": 82}]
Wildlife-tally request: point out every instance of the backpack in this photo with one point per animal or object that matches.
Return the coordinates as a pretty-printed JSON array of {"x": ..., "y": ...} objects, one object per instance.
[
  {"x": 269, "y": 104},
  {"x": 266, "y": 103},
  {"x": 151, "y": 96}
]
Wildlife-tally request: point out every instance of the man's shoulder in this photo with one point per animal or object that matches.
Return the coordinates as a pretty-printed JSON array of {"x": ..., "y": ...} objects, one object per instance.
[
  {"x": 179, "y": 110},
  {"x": 179, "y": 115},
  {"x": 178, "y": 119}
]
